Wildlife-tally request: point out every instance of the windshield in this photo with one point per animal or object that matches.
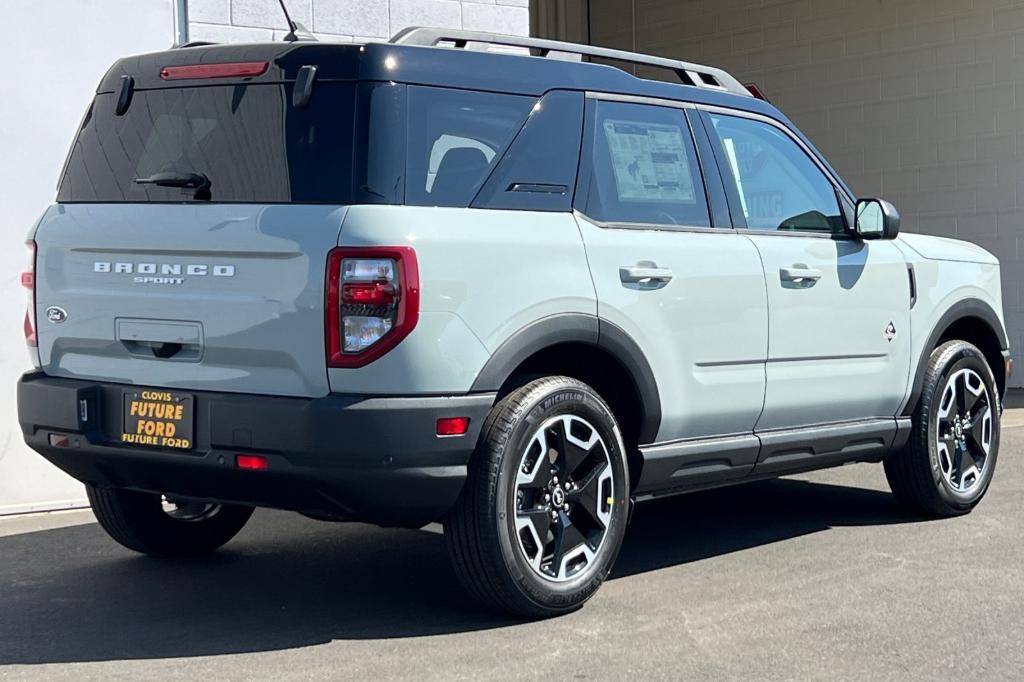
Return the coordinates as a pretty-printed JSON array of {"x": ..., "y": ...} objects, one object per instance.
[{"x": 227, "y": 143}]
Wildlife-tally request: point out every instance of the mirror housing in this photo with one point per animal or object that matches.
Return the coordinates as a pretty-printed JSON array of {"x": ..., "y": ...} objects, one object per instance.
[{"x": 876, "y": 219}]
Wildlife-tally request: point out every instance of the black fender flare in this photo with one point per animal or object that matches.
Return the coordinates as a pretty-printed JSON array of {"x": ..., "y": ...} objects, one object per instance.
[
  {"x": 577, "y": 328},
  {"x": 970, "y": 307}
]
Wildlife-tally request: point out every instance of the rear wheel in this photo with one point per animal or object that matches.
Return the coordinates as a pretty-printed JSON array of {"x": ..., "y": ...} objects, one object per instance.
[
  {"x": 164, "y": 526},
  {"x": 948, "y": 462},
  {"x": 541, "y": 518}
]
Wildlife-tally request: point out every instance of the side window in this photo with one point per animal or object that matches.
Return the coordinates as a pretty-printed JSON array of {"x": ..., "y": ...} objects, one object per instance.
[
  {"x": 643, "y": 167},
  {"x": 779, "y": 187},
  {"x": 455, "y": 138}
]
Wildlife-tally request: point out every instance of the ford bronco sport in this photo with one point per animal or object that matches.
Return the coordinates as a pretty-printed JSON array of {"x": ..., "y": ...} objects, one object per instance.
[{"x": 411, "y": 282}]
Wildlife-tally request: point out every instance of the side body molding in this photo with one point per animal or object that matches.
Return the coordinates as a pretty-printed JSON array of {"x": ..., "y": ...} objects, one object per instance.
[{"x": 577, "y": 328}]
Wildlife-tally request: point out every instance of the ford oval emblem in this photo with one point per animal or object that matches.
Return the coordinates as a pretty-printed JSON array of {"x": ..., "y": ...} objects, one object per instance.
[{"x": 56, "y": 314}]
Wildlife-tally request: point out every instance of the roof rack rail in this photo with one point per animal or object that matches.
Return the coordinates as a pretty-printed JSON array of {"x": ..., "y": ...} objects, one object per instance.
[{"x": 689, "y": 74}]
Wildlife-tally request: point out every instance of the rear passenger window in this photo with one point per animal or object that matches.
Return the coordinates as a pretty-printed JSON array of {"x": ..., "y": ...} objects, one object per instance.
[
  {"x": 455, "y": 138},
  {"x": 643, "y": 167},
  {"x": 779, "y": 187}
]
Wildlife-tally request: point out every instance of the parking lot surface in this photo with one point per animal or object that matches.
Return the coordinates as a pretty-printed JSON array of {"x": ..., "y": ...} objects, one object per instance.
[{"x": 822, "y": 576}]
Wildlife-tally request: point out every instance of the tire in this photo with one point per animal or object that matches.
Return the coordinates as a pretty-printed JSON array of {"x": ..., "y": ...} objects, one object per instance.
[
  {"x": 941, "y": 471},
  {"x": 138, "y": 521},
  {"x": 501, "y": 530}
]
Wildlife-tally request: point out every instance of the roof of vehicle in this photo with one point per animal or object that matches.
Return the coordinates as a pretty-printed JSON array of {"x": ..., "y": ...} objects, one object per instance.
[
  {"x": 414, "y": 56},
  {"x": 417, "y": 56}
]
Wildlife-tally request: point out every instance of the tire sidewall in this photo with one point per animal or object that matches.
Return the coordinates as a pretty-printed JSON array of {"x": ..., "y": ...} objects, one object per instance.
[
  {"x": 579, "y": 400},
  {"x": 964, "y": 356}
]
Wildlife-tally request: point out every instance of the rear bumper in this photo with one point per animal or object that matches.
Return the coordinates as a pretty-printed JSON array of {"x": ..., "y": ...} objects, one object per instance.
[{"x": 366, "y": 458}]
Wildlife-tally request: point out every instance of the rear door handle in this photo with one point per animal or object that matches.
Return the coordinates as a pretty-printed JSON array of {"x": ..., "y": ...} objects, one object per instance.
[
  {"x": 799, "y": 274},
  {"x": 644, "y": 273}
]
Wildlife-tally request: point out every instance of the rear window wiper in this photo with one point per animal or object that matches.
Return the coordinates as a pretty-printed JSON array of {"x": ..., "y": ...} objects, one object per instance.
[{"x": 175, "y": 179}]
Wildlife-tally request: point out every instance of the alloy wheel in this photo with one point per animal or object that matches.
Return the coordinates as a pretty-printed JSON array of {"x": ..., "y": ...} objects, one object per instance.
[
  {"x": 564, "y": 495},
  {"x": 964, "y": 430}
]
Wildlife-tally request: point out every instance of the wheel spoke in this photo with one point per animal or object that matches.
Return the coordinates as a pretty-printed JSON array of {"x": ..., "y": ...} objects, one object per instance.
[
  {"x": 960, "y": 389},
  {"x": 965, "y": 463},
  {"x": 535, "y": 472},
  {"x": 976, "y": 429},
  {"x": 958, "y": 458},
  {"x": 970, "y": 398},
  {"x": 587, "y": 494},
  {"x": 540, "y": 519},
  {"x": 572, "y": 455},
  {"x": 567, "y": 539}
]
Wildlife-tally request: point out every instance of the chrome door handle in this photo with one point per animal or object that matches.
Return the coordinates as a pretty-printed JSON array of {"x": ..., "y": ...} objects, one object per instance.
[
  {"x": 799, "y": 274},
  {"x": 642, "y": 273}
]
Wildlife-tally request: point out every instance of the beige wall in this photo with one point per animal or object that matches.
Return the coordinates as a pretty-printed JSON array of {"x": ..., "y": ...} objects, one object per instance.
[{"x": 919, "y": 101}]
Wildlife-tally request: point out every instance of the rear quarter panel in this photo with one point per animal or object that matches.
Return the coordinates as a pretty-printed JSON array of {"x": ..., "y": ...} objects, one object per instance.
[{"x": 484, "y": 274}]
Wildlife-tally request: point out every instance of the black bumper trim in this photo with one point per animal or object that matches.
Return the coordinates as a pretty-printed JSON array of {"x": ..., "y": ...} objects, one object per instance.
[{"x": 366, "y": 458}]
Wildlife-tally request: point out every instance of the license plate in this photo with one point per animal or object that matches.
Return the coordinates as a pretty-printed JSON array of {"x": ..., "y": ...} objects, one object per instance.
[{"x": 160, "y": 419}]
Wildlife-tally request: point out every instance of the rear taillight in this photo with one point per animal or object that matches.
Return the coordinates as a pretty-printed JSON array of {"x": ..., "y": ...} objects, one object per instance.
[
  {"x": 373, "y": 301},
  {"x": 28, "y": 280}
]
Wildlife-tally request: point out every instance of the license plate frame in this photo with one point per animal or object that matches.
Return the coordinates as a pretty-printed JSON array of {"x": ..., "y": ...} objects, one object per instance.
[{"x": 155, "y": 418}]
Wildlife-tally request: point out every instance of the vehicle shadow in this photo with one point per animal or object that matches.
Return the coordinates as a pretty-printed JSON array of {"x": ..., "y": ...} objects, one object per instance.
[{"x": 69, "y": 594}]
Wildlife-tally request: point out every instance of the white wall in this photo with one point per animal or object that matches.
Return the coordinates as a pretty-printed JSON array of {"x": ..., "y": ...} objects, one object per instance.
[
  {"x": 58, "y": 50},
  {"x": 233, "y": 21}
]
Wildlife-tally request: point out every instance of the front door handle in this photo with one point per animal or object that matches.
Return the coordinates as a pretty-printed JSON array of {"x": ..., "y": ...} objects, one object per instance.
[
  {"x": 800, "y": 274},
  {"x": 644, "y": 272}
]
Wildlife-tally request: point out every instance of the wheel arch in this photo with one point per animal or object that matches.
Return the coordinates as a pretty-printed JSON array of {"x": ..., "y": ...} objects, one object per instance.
[
  {"x": 970, "y": 320},
  {"x": 587, "y": 348}
]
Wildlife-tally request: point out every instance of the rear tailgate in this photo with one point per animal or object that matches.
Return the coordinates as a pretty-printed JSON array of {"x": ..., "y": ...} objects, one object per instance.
[
  {"x": 195, "y": 215},
  {"x": 213, "y": 297}
]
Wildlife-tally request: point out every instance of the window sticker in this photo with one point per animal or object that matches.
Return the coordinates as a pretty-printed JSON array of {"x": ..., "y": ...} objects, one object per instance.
[{"x": 649, "y": 161}]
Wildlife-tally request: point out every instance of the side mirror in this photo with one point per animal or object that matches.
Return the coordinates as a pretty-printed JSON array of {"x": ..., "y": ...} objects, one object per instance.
[{"x": 876, "y": 219}]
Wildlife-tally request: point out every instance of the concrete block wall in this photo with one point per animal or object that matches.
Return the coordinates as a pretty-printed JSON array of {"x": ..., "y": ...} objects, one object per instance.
[
  {"x": 918, "y": 101},
  {"x": 350, "y": 20}
]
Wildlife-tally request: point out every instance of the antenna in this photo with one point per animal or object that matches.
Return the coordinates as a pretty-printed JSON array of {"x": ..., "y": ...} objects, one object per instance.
[{"x": 292, "y": 26}]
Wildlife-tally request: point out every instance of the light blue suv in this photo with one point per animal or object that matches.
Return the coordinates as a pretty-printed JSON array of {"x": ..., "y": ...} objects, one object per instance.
[{"x": 410, "y": 282}]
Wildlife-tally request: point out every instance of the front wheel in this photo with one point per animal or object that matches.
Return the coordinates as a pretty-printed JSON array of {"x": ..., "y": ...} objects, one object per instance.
[
  {"x": 542, "y": 515},
  {"x": 948, "y": 462},
  {"x": 163, "y": 526}
]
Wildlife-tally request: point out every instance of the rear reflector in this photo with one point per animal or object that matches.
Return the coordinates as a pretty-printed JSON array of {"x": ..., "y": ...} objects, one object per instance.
[
  {"x": 232, "y": 70},
  {"x": 251, "y": 462},
  {"x": 59, "y": 440},
  {"x": 28, "y": 280},
  {"x": 367, "y": 293},
  {"x": 452, "y": 426}
]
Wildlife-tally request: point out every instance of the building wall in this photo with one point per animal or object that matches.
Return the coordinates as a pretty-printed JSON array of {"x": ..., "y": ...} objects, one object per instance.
[
  {"x": 918, "y": 101},
  {"x": 63, "y": 47},
  {"x": 348, "y": 20}
]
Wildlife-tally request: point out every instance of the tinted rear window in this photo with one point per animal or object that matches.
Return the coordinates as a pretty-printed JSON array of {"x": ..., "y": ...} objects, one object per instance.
[
  {"x": 456, "y": 137},
  {"x": 247, "y": 139}
]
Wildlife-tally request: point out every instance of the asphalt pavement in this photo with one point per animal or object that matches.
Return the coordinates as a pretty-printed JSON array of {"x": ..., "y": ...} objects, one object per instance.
[{"x": 820, "y": 576}]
